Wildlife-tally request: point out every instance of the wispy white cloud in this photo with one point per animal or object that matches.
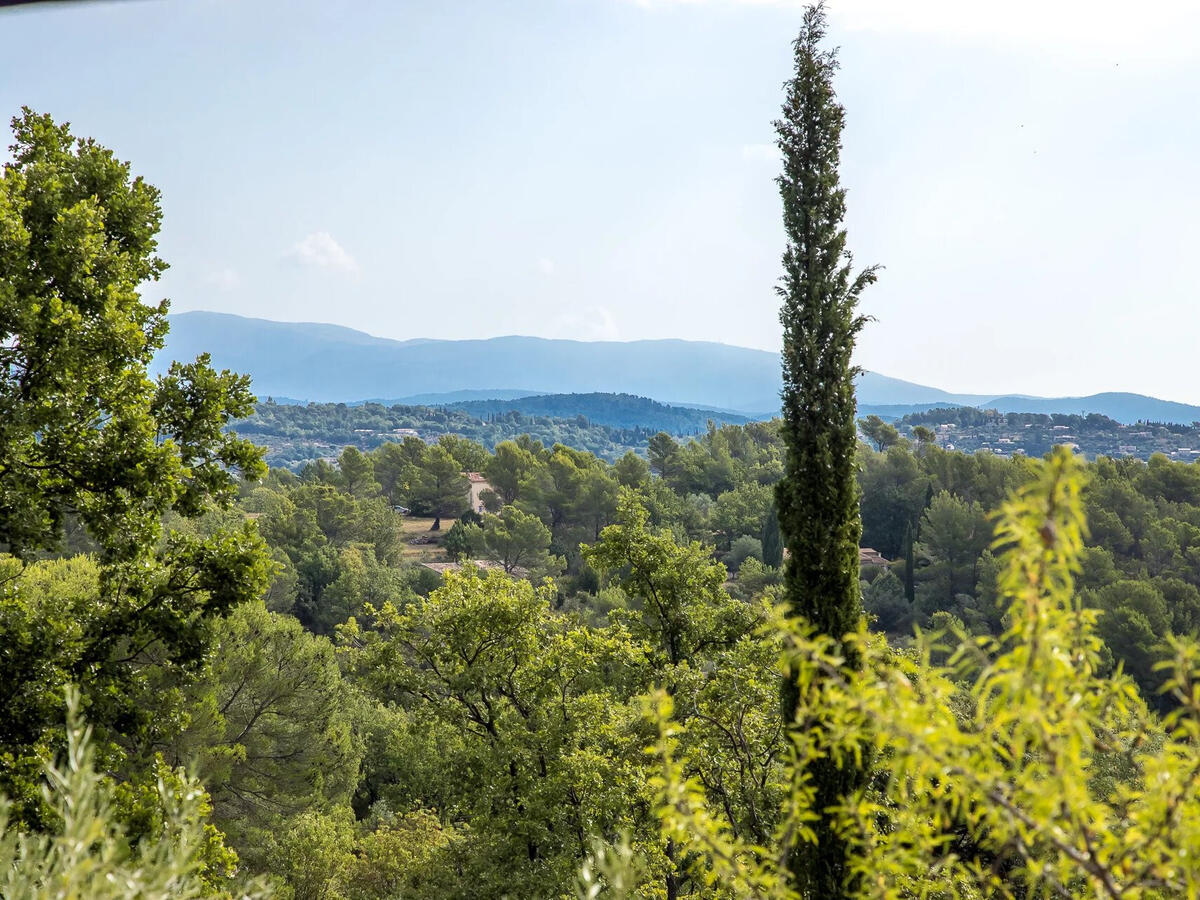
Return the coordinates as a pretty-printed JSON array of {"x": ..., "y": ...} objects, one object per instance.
[
  {"x": 592, "y": 323},
  {"x": 223, "y": 280},
  {"x": 321, "y": 251},
  {"x": 1106, "y": 28},
  {"x": 545, "y": 266}
]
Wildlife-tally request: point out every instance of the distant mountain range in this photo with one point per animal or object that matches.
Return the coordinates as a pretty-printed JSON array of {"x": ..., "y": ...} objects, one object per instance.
[{"x": 330, "y": 363}]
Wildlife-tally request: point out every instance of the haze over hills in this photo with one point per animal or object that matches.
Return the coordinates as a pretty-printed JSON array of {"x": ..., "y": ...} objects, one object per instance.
[{"x": 330, "y": 363}]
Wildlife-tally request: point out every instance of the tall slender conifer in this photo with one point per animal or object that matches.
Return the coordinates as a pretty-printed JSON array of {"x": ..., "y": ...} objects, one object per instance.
[
  {"x": 910, "y": 562},
  {"x": 772, "y": 540},
  {"x": 818, "y": 498}
]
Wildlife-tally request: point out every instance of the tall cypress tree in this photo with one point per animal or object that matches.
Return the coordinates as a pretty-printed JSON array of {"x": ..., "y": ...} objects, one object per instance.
[
  {"x": 818, "y": 498},
  {"x": 772, "y": 540},
  {"x": 910, "y": 562}
]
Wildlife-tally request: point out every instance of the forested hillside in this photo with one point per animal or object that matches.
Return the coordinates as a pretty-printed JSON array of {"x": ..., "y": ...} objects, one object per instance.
[
  {"x": 1034, "y": 434},
  {"x": 615, "y": 410},
  {"x": 294, "y": 434},
  {"x": 375, "y": 696}
]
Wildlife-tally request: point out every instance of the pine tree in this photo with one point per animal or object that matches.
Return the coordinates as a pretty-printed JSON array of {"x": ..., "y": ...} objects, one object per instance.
[{"x": 818, "y": 498}]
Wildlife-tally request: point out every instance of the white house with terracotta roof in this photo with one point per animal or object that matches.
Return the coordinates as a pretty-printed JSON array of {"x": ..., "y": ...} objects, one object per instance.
[{"x": 479, "y": 484}]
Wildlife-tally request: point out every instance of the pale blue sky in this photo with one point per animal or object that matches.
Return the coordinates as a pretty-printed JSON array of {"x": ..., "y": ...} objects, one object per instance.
[{"x": 1026, "y": 171}]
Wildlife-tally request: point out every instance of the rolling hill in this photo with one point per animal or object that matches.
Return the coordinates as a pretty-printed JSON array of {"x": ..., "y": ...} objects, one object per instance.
[{"x": 614, "y": 410}]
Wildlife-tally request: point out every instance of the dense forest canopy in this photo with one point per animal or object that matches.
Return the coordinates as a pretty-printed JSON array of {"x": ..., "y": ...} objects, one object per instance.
[
  {"x": 609, "y": 425},
  {"x": 295, "y": 434},
  {"x": 662, "y": 571}
]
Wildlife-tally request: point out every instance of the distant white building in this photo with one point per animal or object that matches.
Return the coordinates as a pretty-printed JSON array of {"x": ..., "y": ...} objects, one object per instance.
[{"x": 479, "y": 484}]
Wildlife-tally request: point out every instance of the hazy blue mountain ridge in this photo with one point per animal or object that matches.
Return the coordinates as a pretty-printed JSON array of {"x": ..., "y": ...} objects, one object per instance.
[
  {"x": 330, "y": 363},
  {"x": 1122, "y": 407}
]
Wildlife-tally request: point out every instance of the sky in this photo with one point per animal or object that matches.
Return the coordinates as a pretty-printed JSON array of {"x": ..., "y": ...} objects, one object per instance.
[{"x": 1025, "y": 171}]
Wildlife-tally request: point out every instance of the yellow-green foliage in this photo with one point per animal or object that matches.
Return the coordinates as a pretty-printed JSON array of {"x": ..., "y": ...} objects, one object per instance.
[
  {"x": 91, "y": 857},
  {"x": 1015, "y": 770},
  {"x": 323, "y": 856}
]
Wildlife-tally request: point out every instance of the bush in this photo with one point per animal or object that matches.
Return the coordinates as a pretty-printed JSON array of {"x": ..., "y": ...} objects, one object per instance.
[
  {"x": 754, "y": 577},
  {"x": 743, "y": 548},
  {"x": 885, "y": 603},
  {"x": 463, "y": 541}
]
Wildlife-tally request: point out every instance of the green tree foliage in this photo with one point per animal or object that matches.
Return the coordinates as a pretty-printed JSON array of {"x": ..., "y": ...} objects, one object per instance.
[
  {"x": 1039, "y": 777},
  {"x": 312, "y": 854},
  {"x": 85, "y": 431},
  {"x": 895, "y": 489},
  {"x": 818, "y": 496},
  {"x": 87, "y": 437},
  {"x": 631, "y": 471},
  {"x": 491, "y": 501},
  {"x": 664, "y": 453},
  {"x": 407, "y": 856},
  {"x": 63, "y": 623},
  {"x": 884, "y": 601},
  {"x": 295, "y": 435},
  {"x": 356, "y": 472},
  {"x": 923, "y": 436},
  {"x": 531, "y": 745},
  {"x": 342, "y": 549},
  {"x": 1135, "y": 623},
  {"x": 441, "y": 488},
  {"x": 742, "y": 549},
  {"x": 1136, "y": 535},
  {"x": 618, "y": 410},
  {"x": 508, "y": 467},
  {"x": 395, "y": 468},
  {"x": 772, "y": 539},
  {"x": 361, "y": 578},
  {"x": 910, "y": 566},
  {"x": 471, "y": 456},
  {"x": 92, "y": 855},
  {"x": 517, "y": 540},
  {"x": 742, "y": 511},
  {"x": 878, "y": 432},
  {"x": 683, "y": 606},
  {"x": 574, "y": 495},
  {"x": 734, "y": 738},
  {"x": 953, "y": 535},
  {"x": 597, "y": 503},
  {"x": 465, "y": 540},
  {"x": 754, "y": 578},
  {"x": 325, "y": 857},
  {"x": 271, "y": 724}
]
